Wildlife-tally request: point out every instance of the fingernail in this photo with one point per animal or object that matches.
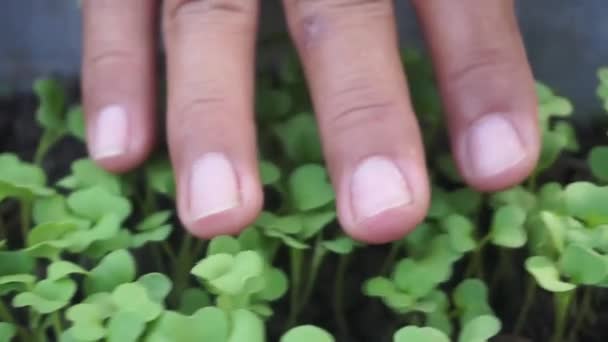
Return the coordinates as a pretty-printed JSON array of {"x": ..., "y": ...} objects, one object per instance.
[
  {"x": 494, "y": 145},
  {"x": 213, "y": 186},
  {"x": 111, "y": 133},
  {"x": 378, "y": 185}
]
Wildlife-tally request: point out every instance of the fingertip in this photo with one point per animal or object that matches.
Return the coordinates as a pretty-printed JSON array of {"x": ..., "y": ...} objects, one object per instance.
[
  {"x": 384, "y": 199},
  {"x": 388, "y": 226},
  {"x": 218, "y": 196},
  {"x": 117, "y": 141},
  {"x": 498, "y": 151}
]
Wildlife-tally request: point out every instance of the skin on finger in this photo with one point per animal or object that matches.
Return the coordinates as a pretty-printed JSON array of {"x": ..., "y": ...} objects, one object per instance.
[
  {"x": 210, "y": 58},
  {"x": 370, "y": 136},
  {"x": 487, "y": 88},
  {"x": 118, "y": 81}
]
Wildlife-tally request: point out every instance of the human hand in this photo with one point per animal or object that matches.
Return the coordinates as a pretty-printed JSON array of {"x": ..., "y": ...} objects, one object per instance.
[{"x": 351, "y": 59}]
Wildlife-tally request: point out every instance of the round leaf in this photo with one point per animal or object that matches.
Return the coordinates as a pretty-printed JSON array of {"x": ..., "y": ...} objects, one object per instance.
[
  {"x": 307, "y": 333},
  {"x": 94, "y": 203},
  {"x": 157, "y": 285},
  {"x": 309, "y": 187},
  {"x": 598, "y": 162},
  {"x": 480, "y": 329},
  {"x": 61, "y": 269},
  {"x": 547, "y": 275},
  {"x": 417, "y": 334},
  {"x": 587, "y": 201},
  {"x": 583, "y": 265},
  {"x": 507, "y": 228},
  {"x": 246, "y": 327},
  {"x": 114, "y": 269}
]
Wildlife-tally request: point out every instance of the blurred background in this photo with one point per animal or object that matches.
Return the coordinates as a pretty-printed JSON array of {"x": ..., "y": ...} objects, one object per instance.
[{"x": 567, "y": 40}]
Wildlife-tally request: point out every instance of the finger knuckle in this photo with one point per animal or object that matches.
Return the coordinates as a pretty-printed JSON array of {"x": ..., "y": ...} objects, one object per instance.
[
  {"x": 192, "y": 14},
  {"x": 111, "y": 57},
  {"x": 358, "y": 107},
  {"x": 316, "y": 20},
  {"x": 488, "y": 64}
]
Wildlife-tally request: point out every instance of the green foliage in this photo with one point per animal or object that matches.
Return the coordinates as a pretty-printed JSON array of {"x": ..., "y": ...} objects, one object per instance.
[{"x": 95, "y": 256}]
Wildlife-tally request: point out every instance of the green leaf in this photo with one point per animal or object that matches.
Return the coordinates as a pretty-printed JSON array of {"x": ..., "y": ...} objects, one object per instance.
[
  {"x": 342, "y": 245},
  {"x": 598, "y": 162},
  {"x": 439, "y": 318},
  {"x": 86, "y": 174},
  {"x": 292, "y": 224},
  {"x": 276, "y": 285},
  {"x": 440, "y": 207},
  {"x": 193, "y": 299},
  {"x": 517, "y": 196},
  {"x": 160, "y": 177},
  {"x": 413, "y": 276},
  {"x": 552, "y": 146},
  {"x": 61, "y": 269},
  {"x": 114, "y": 269},
  {"x": 7, "y": 331},
  {"x": 378, "y": 287},
  {"x": 286, "y": 239},
  {"x": 154, "y": 221},
  {"x": 587, "y": 202},
  {"x": 465, "y": 201},
  {"x": 551, "y": 197},
  {"x": 269, "y": 173},
  {"x": 87, "y": 321},
  {"x": 460, "y": 231},
  {"x": 566, "y": 130},
  {"x": 246, "y": 327},
  {"x": 229, "y": 274},
  {"x": 471, "y": 298},
  {"x": 133, "y": 298},
  {"x": 583, "y": 265},
  {"x": 223, "y": 245},
  {"x": 16, "y": 283},
  {"x": 125, "y": 326},
  {"x": 49, "y": 239},
  {"x": 307, "y": 333},
  {"x": 417, "y": 334},
  {"x": 75, "y": 122},
  {"x": 300, "y": 139},
  {"x": 155, "y": 235},
  {"x": 309, "y": 187},
  {"x": 272, "y": 104},
  {"x": 314, "y": 222},
  {"x": 47, "y": 296},
  {"x": 507, "y": 228},
  {"x": 52, "y": 102},
  {"x": 15, "y": 262},
  {"x": 207, "y": 324},
  {"x": 546, "y": 274},
  {"x": 107, "y": 229},
  {"x": 21, "y": 180},
  {"x": 157, "y": 285},
  {"x": 480, "y": 329},
  {"x": 93, "y": 203},
  {"x": 51, "y": 209}
]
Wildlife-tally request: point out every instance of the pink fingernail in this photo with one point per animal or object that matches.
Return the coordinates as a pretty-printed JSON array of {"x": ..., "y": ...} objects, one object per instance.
[
  {"x": 111, "y": 133},
  {"x": 494, "y": 145},
  {"x": 378, "y": 185},
  {"x": 213, "y": 186}
]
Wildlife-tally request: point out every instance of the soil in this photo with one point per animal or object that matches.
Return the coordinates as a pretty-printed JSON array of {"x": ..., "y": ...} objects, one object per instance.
[{"x": 367, "y": 319}]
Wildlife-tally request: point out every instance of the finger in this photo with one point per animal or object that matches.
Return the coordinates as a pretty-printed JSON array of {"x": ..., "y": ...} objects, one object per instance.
[
  {"x": 210, "y": 55},
  {"x": 118, "y": 80},
  {"x": 487, "y": 88},
  {"x": 370, "y": 136}
]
